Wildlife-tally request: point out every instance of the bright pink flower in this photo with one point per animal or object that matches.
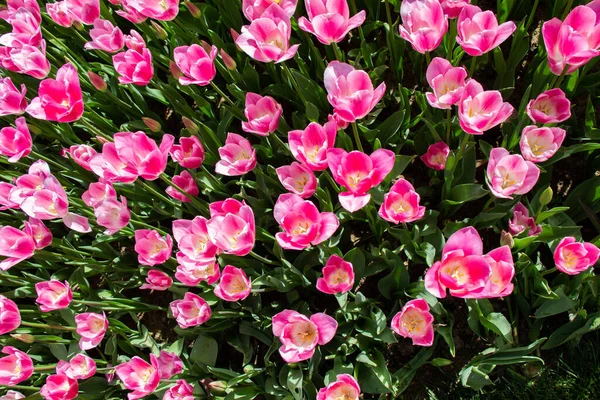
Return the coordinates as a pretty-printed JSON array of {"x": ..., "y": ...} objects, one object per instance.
[
  {"x": 53, "y": 295},
  {"x": 302, "y": 223},
  {"x": 13, "y": 395},
  {"x": 310, "y": 146},
  {"x": 572, "y": 257},
  {"x": 452, "y": 8},
  {"x": 298, "y": 178},
  {"x": 267, "y": 38},
  {"x": 231, "y": 226},
  {"x": 26, "y": 29},
  {"x": 234, "y": 284},
  {"x": 254, "y": 9},
  {"x": 59, "y": 99},
  {"x": 338, "y": 276},
  {"x": 540, "y": 144},
  {"x": 344, "y": 387},
  {"x": 300, "y": 335},
  {"x": 139, "y": 375},
  {"x": 503, "y": 271},
  {"x": 423, "y": 24},
  {"x": 509, "y": 174},
  {"x": 574, "y": 42},
  {"x": 5, "y": 202},
  {"x": 415, "y": 322},
  {"x": 447, "y": 82},
  {"x": 141, "y": 154},
  {"x": 106, "y": 37},
  {"x": 479, "y": 32},
  {"x": 163, "y": 10},
  {"x": 193, "y": 240},
  {"x": 12, "y": 101},
  {"x": 135, "y": 41},
  {"x": 480, "y": 110},
  {"x": 189, "y": 153},
  {"x": 262, "y": 114},
  {"x": 9, "y": 12},
  {"x": 186, "y": 182},
  {"x": 238, "y": 157},
  {"x": 350, "y": 91},
  {"x": 59, "y": 13},
  {"x": 10, "y": 318},
  {"x": 359, "y": 173},
  {"x": 14, "y": 368},
  {"x": 157, "y": 280},
  {"x": 436, "y": 156},
  {"x": 39, "y": 232},
  {"x": 152, "y": 248},
  {"x": 130, "y": 14},
  {"x": 84, "y": 11},
  {"x": 15, "y": 245},
  {"x": 169, "y": 364},
  {"x": 91, "y": 327},
  {"x": 181, "y": 391},
  {"x": 193, "y": 310},
  {"x": 59, "y": 387},
  {"x": 26, "y": 59},
  {"x": 134, "y": 67},
  {"x": 330, "y": 20},
  {"x": 550, "y": 107},
  {"x": 15, "y": 143},
  {"x": 111, "y": 168},
  {"x": 98, "y": 192},
  {"x": 191, "y": 273},
  {"x": 112, "y": 214},
  {"x": 82, "y": 155},
  {"x": 80, "y": 367},
  {"x": 521, "y": 221},
  {"x": 196, "y": 64},
  {"x": 401, "y": 204}
]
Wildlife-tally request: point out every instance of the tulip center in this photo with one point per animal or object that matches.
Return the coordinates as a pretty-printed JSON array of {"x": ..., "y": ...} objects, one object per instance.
[
  {"x": 346, "y": 394},
  {"x": 163, "y": 4},
  {"x": 96, "y": 325},
  {"x": 508, "y": 181},
  {"x": 146, "y": 375},
  {"x": 401, "y": 206},
  {"x": 304, "y": 333},
  {"x": 301, "y": 228},
  {"x": 65, "y": 103},
  {"x": 237, "y": 285},
  {"x": 204, "y": 271},
  {"x": 354, "y": 180},
  {"x": 413, "y": 322},
  {"x": 569, "y": 258},
  {"x": 437, "y": 159},
  {"x": 158, "y": 247},
  {"x": 52, "y": 209},
  {"x": 242, "y": 156},
  {"x": 301, "y": 182},
  {"x": 544, "y": 107},
  {"x": 338, "y": 277},
  {"x": 447, "y": 88},
  {"x": 200, "y": 246}
]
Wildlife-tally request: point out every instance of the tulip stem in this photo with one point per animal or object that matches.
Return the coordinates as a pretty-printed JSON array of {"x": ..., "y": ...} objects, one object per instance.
[
  {"x": 531, "y": 15},
  {"x": 473, "y": 66},
  {"x": 353, "y": 9},
  {"x": 562, "y": 77},
  {"x": 428, "y": 57},
  {"x": 220, "y": 92},
  {"x": 46, "y": 326},
  {"x": 44, "y": 368},
  {"x": 448, "y": 125},
  {"x": 331, "y": 181},
  {"x": 193, "y": 199},
  {"x": 338, "y": 54},
  {"x": 357, "y": 137},
  {"x": 280, "y": 142},
  {"x": 294, "y": 83},
  {"x": 567, "y": 9},
  {"x": 549, "y": 271},
  {"x": 388, "y": 13},
  {"x": 21, "y": 387},
  {"x": 263, "y": 259}
]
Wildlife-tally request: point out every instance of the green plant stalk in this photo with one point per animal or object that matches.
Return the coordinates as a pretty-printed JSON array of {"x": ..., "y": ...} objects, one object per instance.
[
  {"x": 46, "y": 326},
  {"x": 448, "y": 125},
  {"x": 357, "y": 137},
  {"x": 472, "y": 67},
  {"x": 567, "y": 9},
  {"x": 334, "y": 185},
  {"x": 195, "y": 201},
  {"x": 221, "y": 93},
  {"x": 388, "y": 13},
  {"x": 338, "y": 53},
  {"x": 280, "y": 142},
  {"x": 353, "y": 9},
  {"x": 428, "y": 57},
  {"x": 263, "y": 259},
  {"x": 531, "y": 14},
  {"x": 294, "y": 83}
]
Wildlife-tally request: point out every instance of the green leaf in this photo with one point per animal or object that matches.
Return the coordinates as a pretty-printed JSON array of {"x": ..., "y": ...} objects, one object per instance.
[
  {"x": 464, "y": 193},
  {"x": 555, "y": 306},
  {"x": 205, "y": 351},
  {"x": 440, "y": 362},
  {"x": 294, "y": 382},
  {"x": 374, "y": 379}
]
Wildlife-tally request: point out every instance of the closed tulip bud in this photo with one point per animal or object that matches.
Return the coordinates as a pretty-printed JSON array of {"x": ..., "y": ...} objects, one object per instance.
[
  {"x": 506, "y": 239},
  {"x": 97, "y": 81},
  {"x": 546, "y": 196},
  {"x": 207, "y": 47},
  {"x": 217, "y": 387},
  {"x": 195, "y": 11},
  {"x": 78, "y": 25},
  {"x": 159, "y": 31},
  {"x": 24, "y": 337},
  {"x": 227, "y": 60},
  {"x": 190, "y": 125},
  {"x": 175, "y": 71},
  {"x": 152, "y": 124}
]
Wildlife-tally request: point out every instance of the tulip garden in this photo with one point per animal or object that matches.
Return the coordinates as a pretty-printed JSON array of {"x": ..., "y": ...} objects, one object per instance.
[{"x": 294, "y": 199}]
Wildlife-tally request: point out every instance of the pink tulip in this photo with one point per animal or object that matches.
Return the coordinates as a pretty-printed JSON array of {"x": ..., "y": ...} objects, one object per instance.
[
  {"x": 359, "y": 173},
  {"x": 191, "y": 273},
  {"x": 193, "y": 310},
  {"x": 298, "y": 178},
  {"x": 510, "y": 174},
  {"x": 111, "y": 168},
  {"x": 53, "y": 295},
  {"x": 112, "y": 215},
  {"x": 189, "y": 153},
  {"x": 574, "y": 42},
  {"x": 97, "y": 193},
  {"x": 39, "y": 232},
  {"x": 5, "y": 202},
  {"x": 193, "y": 240},
  {"x": 197, "y": 66},
  {"x": 12, "y": 101},
  {"x": 84, "y": 11},
  {"x": 415, "y": 322},
  {"x": 152, "y": 248},
  {"x": 59, "y": 99},
  {"x": 13, "y": 395},
  {"x": 139, "y": 375},
  {"x": 134, "y": 41},
  {"x": 436, "y": 156},
  {"x": 15, "y": 143},
  {"x": 479, "y": 32},
  {"x": 550, "y": 107},
  {"x": 480, "y": 110},
  {"x": 106, "y": 37},
  {"x": 134, "y": 67},
  {"x": 302, "y": 223},
  {"x": 540, "y": 144},
  {"x": 91, "y": 327},
  {"x": 254, "y": 9},
  {"x": 310, "y": 146},
  {"x": 157, "y": 280},
  {"x": 350, "y": 91},
  {"x": 80, "y": 367},
  {"x": 10, "y": 318},
  {"x": 267, "y": 38},
  {"x": 452, "y": 8},
  {"x": 238, "y": 157},
  {"x": 503, "y": 271},
  {"x": 25, "y": 59},
  {"x": 130, "y": 14},
  {"x": 262, "y": 114},
  {"x": 59, "y": 13},
  {"x": 15, "y": 245},
  {"x": 231, "y": 226},
  {"x": 447, "y": 82},
  {"x": 330, "y": 20},
  {"x": 423, "y": 24},
  {"x": 59, "y": 387},
  {"x": 9, "y": 12},
  {"x": 572, "y": 257},
  {"x": 344, "y": 387},
  {"x": 169, "y": 364},
  {"x": 82, "y": 155},
  {"x": 300, "y": 335},
  {"x": 141, "y": 154},
  {"x": 26, "y": 29},
  {"x": 14, "y": 368},
  {"x": 181, "y": 391},
  {"x": 338, "y": 276},
  {"x": 401, "y": 204},
  {"x": 97, "y": 81},
  {"x": 162, "y": 10},
  {"x": 521, "y": 222},
  {"x": 234, "y": 284},
  {"x": 186, "y": 182}
]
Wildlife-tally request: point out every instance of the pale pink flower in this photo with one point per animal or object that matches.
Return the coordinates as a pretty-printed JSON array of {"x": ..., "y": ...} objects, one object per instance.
[
  {"x": 12, "y": 100},
  {"x": 573, "y": 257},
  {"x": 232, "y": 227},
  {"x": 39, "y": 232},
  {"x": 112, "y": 214},
  {"x": 254, "y": 9},
  {"x": 234, "y": 284},
  {"x": 134, "y": 67},
  {"x": 540, "y": 144},
  {"x": 59, "y": 387},
  {"x": 15, "y": 142},
  {"x": 82, "y": 155},
  {"x": 338, "y": 276},
  {"x": 169, "y": 364},
  {"x": 329, "y": 20},
  {"x": 189, "y": 153},
  {"x": 139, "y": 376},
  {"x": 59, "y": 13},
  {"x": 310, "y": 146},
  {"x": 193, "y": 240},
  {"x": 181, "y": 391},
  {"x": 192, "y": 310},
  {"x": 15, "y": 245},
  {"x": 141, "y": 154},
  {"x": 550, "y": 107},
  {"x": 186, "y": 182},
  {"x": 503, "y": 271},
  {"x": 98, "y": 192},
  {"x": 480, "y": 110},
  {"x": 5, "y": 191},
  {"x": 163, "y": 10},
  {"x": 111, "y": 168},
  {"x": 26, "y": 59},
  {"x": 447, "y": 82},
  {"x": 157, "y": 280},
  {"x": 344, "y": 387},
  {"x": 15, "y": 368},
  {"x": 509, "y": 174},
  {"x": 10, "y": 318},
  {"x": 152, "y": 248},
  {"x": 84, "y": 11},
  {"x": 80, "y": 367},
  {"x": 423, "y": 24},
  {"x": 131, "y": 14},
  {"x": 416, "y": 322},
  {"x": 26, "y": 29},
  {"x": 262, "y": 114},
  {"x": 452, "y": 8},
  {"x": 238, "y": 157},
  {"x": 53, "y": 295},
  {"x": 298, "y": 178},
  {"x": 191, "y": 273},
  {"x": 197, "y": 66},
  {"x": 91, "y": 327},
  {"x": 401, "y": 204},
  {"x": 106, "y": 37},
  {"x": 479, "y": 32},
  {"x": 13, "y": 395},
  {"x": 436, "y": 156},
  {"x": 9, "y": 12},
  {"x": 521, "y": 222}
]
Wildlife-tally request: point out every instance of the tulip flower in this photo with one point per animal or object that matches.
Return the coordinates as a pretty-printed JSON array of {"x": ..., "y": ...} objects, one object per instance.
[
  {"x": 26, "y": 29},
  {"x": 191, "y": 273},
  {"x": 196, "y": 64},
  {"x": 13, "y": 395},
  {"x": 267, "y": 38},
  {"x": 193, "y": 240},
  {"x": 447, "y": 82},
  {"x": 131, "y": 14},
  {"x": 262, "y": 114},
  {"x": 189, "y": 153},
  {"x": 111, "y": 168},
  {"x": 298, "y": 178},
  {"x": 134, "y": 67},
  {"x": 300, "y": 335},
  {"x": 15, "y": 245},
  {"x": 5, "y": 191},
  {"x": 97, "y": 193},
  {"x": 59, "y": 99},
  {"x": 350, "y": 91},
  {"x": 59, "y": 13},
  {"x": 12, "y": 100},
  {"x": 254, "y": 9},
  {"x": 540, "y": 144},
  {"x": 338, "y": 276},
  {"x": 134, "y": 41},
  {"x": 192, "y": 310},
  {"x": 479, "y": 32},
  {"x": 80, "y": 367},
  {"x": 141, "y": 154},
  {"x": 480, "y": 110},
  {"x": 423, "y": 24},
  {"x": 181, "y": 391},
  {"x": 550, "y": 107},
  {"x": 452, "y": 8},
  {"x": 26, "y": 59},
  {"x": 157, "y": 280},
  {"x": 521, "y": 222},
  {"x": 186, "y": 182},
  {"x": 359, "y": 173},
  {"x": 112, "y": 215},
  {"x": 84, "y": 11},
  {"x": 162, "y": 10},
  {"x": 10, "y": 318},
  {"x": 238, "y": 157},
  {"x": 82, "y": 155},
  {"x": 139, "y": 376},
  {"x": 91, "y": 327},
  {"x": 310, "y": 146},
  {"x": 344, "y": 387},
  {"x": 416, "y": 322},
  {"x": 508, "y": 174},
  {"x": 169, "y": 364},
  {"x": 12, "y": 7},
  {"x": 15, "y": 142},
  {"x": 106, "y": 37},
  {"x": 53, "y": 295},
  {"x": 401, "y": 204},
  {"x": 234, "y": 284},
  {"x": 231, "y": 226},
  {"x": 15, "y": 368},
  {"x": 573, "y": 257},
  {"x": 503, "y": 271},
  {"x": 436, "y": 156},
  {"x": 152, "y": 248},
  {"x": 330, "y": 20},
  {"x": 39, "y": 232},
  {"x": 97, "y": 81}
]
